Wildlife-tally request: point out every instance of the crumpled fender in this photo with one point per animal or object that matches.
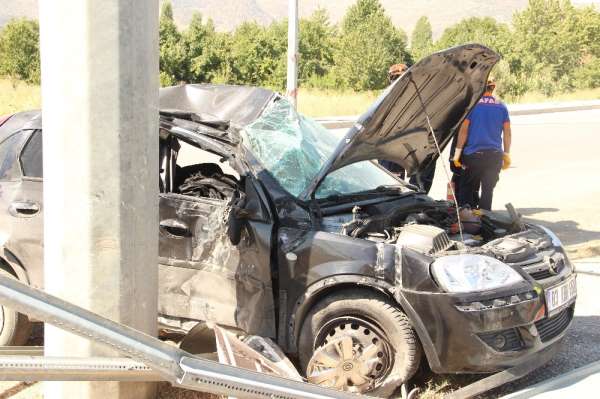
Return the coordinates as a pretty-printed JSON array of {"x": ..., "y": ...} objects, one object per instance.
[{"x": 318, "y": 289}]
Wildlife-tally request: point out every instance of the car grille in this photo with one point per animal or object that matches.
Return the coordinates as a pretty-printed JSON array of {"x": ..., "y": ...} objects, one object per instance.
[
  {"x": 541, "y": 274},
  {"x": 541, "y": 270},
  {"x": 503, "y": 341},
  {"x": 551, "y": 327}
]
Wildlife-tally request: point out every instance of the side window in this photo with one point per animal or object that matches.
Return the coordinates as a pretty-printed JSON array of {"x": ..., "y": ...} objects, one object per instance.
[
  {"x": 8, "y": 156},
  {"x": 31, "y": 157}
]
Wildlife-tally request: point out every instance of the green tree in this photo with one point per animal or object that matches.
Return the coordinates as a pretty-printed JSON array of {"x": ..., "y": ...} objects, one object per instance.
[
  {"x": 587, "y": 75},
  {"x": 546, "y": 46},
  {"x": 205, "y": 50},
  {"x": 20, "y": 50},
  {"x": 368, "y": 44},
  {"x": 497, "y": 36},
  {"x": 588, "y": 23},
  {"x": 421, "y": 41},
  {"x": 317, "y": 41},
  {"x": 173, "y": 60},
  {"x": 486, "y": 31},
  {"x": 257, "y": 55}
]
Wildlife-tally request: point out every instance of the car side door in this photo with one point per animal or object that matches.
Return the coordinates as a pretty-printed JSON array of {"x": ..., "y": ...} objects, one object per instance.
[
  {"x": 205, "y": 276},
  {"x": 21, "y": 188}
]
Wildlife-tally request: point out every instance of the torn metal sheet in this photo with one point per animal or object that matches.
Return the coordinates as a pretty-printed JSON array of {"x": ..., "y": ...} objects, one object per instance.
[
  {"x": 238, "y": 104},
  {"x": 196, "y": 255},
  {"x": 256, "y": 353}
]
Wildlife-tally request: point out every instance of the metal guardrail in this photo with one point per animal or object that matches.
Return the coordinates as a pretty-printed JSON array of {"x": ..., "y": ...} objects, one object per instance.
[
  {"x": 169, "y": 363},
  {"x": 21, "y": 351},
  {"x": 38, "y": 368}
]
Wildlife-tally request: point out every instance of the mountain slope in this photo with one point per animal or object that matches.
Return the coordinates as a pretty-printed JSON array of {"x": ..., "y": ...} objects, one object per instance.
[{"x": 227, "y": 14}]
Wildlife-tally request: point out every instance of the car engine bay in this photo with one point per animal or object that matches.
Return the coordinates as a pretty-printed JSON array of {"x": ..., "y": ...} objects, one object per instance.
[{"x": 432, "y": 228}]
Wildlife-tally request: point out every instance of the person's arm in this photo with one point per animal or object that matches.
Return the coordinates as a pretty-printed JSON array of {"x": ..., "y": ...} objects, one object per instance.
[
  {"x": 463, "y": 135},
  {"x": 507, "y": 136}
]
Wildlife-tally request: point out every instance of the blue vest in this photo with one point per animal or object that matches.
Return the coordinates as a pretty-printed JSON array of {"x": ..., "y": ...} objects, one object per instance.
[{"x": 486, "y": 123}]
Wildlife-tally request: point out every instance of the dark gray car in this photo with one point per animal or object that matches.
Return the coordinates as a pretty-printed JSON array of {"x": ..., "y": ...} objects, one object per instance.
[{"x": 280, "y": 229}]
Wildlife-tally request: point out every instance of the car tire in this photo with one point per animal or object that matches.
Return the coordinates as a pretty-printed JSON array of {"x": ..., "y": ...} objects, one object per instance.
[
  {"x": 380, "y": 318},
  {"x": 15, "y": 327}
]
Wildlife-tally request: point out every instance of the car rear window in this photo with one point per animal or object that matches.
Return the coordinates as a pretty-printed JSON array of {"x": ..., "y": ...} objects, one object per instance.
[{"x": 31, "y": 157}]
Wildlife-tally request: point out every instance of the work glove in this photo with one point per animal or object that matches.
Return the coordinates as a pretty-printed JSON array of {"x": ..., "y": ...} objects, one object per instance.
[
  {"x": 456, "y": 158},
  {"x": 505, "y": 160}
]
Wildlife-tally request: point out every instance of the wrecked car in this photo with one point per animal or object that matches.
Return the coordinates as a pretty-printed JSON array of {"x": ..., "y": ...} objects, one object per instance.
[{"x": 277, "y": 228}]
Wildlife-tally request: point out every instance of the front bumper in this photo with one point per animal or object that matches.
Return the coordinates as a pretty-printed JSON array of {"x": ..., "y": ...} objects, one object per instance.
[{"x": 488, "y": 334}]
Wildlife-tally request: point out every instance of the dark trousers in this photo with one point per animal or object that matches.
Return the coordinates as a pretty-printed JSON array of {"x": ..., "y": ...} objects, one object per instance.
[{"x": 482, "y": 169}]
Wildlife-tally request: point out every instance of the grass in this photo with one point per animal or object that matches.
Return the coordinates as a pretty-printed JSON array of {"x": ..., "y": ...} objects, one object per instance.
[
  {"x": 318, "y": 103},
  {"x": 577, "y": 95},
  {"x": 315, "y": 103},
  {"x": 18, "y": 96}
]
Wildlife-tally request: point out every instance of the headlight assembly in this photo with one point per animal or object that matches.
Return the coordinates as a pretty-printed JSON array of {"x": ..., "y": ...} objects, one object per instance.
[{"x": 472, "y": 273}]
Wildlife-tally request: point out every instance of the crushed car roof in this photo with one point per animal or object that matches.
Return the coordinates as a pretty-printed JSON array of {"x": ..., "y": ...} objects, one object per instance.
[{"x": 240, "y": 105}]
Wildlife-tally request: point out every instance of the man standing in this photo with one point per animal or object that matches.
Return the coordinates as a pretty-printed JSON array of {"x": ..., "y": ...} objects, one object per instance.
[{"x": 480, "y": 142}]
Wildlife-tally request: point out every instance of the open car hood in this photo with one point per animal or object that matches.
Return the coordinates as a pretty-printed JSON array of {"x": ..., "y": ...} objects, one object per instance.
[{"x": 444, "y": 87}]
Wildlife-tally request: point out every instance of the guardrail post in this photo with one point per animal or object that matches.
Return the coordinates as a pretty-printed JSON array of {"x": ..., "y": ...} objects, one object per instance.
[{"x": 100, "y": 120}]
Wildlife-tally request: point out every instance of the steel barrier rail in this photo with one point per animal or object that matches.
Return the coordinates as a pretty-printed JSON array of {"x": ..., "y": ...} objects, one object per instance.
[
  {"x": 172, "y": 364},
  {"x": 21, "y": 350},
  {"x": 38, "y": 368}
]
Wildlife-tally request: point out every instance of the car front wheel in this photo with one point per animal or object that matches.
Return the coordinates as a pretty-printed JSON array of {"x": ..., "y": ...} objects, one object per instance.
[
  {"x": 14, "y": 327},
  {"x": 358, "y": 341}
]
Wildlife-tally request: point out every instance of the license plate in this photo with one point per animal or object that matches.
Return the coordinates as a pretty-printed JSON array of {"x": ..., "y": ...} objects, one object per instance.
[{"x": 560, "y": 295}]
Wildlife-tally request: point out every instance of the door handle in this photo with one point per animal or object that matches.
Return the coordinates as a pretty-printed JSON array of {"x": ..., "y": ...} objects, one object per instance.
[
  {"x": 174, "y": 228},
  {"x": 23, "y": 208}
]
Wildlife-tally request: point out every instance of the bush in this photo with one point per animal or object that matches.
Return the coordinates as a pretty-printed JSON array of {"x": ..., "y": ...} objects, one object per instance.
[
  {"x": 368, "y": 44},
  {"x": 20, "y": 50},
  {"x": 588, "y": 75}
]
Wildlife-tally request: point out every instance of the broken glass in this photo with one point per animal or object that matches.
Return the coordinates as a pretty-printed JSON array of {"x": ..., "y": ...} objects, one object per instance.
[{"x": 293, "y": 149}]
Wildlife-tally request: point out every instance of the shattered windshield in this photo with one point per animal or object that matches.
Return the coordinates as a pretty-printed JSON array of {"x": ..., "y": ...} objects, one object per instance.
[{"x": 294, "y": 148}]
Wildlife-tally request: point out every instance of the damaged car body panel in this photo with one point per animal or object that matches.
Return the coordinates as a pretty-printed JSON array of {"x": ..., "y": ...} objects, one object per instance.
[{"x": 306, "y": 241}]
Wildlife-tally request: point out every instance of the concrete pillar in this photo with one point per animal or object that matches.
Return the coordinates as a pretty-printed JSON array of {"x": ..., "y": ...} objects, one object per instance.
[{"x": 100, "y": 119}]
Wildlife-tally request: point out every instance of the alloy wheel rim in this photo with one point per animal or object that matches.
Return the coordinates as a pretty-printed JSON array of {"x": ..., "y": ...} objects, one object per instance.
[{"x": 352, "y": 354}]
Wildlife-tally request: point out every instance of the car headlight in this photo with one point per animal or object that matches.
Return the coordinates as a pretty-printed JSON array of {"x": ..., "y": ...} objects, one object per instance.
[
  {"x": 472, "y": 273},
  {"x": 555, "y": 240}
]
